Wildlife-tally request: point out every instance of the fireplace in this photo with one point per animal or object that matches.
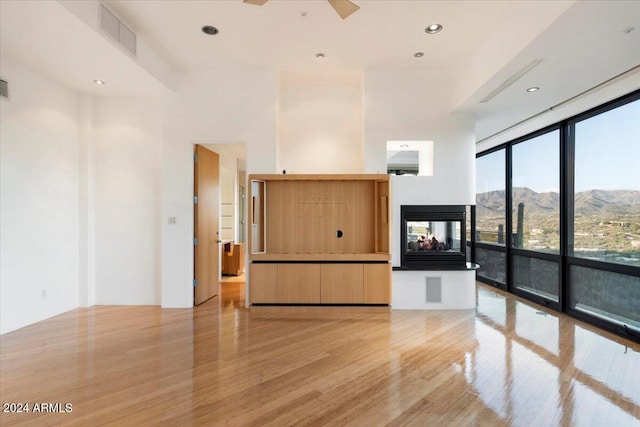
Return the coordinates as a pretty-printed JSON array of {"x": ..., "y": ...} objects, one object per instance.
[{"x": 433, "y": 236}]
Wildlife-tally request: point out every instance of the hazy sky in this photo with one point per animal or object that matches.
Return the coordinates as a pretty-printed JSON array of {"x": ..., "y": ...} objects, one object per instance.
[
  {"x": 607, "y": 156},
  {"x": 608, "y": 150},
  {"x": 536, "y": 163}
]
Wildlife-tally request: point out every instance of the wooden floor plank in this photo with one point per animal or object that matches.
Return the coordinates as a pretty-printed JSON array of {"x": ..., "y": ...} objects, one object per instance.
[{"x": 507, "y": 362}]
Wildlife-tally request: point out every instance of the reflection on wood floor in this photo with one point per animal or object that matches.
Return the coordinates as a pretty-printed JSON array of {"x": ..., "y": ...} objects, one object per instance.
[{"x": 505, "y": 363}]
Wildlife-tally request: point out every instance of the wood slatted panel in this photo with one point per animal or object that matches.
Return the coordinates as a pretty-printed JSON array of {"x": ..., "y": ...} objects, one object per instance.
[
  {"x": 311, "y": 195},
  {"x": 305, "y": 216}
]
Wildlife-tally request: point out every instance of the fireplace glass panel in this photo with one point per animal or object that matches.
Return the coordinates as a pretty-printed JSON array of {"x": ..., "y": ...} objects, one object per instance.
[
  {"x": 441, "y": 236},
  {"x": 432, "y": 236}
]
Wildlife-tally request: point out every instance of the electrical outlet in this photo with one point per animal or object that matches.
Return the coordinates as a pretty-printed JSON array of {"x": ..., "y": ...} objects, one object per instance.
[
  {"x": 173, "y": 220},
  {"x": 43, "y": 293}
]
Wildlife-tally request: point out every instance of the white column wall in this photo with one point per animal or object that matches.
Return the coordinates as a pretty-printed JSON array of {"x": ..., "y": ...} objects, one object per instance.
[
  {"x": 39, "y": 198},
  {"x": 458, "y": 290},
  {"x": 127, "y": 208},
  {"x": 406, "y": 105},
  {"x": 320, "y": 126},
  {"x": 87, "y": 208}
]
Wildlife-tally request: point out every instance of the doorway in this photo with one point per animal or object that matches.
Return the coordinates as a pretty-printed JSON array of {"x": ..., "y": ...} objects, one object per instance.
[{"x": 227, "y": 214}]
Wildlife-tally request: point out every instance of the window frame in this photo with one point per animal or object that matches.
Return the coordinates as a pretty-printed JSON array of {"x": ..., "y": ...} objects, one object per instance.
[{"x": 566, "y": 223}]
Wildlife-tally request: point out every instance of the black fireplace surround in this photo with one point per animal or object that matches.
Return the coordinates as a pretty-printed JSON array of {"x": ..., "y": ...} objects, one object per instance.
[{"x": 433, "y": 237}]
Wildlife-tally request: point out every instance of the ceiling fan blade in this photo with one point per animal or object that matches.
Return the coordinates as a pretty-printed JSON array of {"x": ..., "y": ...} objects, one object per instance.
[
  {"x": 344, "y": 8},
  {"x": 256, "y": 2}
]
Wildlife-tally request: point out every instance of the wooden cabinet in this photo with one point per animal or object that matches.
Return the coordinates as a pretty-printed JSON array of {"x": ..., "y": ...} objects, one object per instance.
[
  {"x": 342, "y": 284},
  {"x": 299, "y": 283},
  {"x": 315, "y": 283},
  {"x": 319, "y": 217},
  {"x": 321, "y": 232},
  {"x": 263, "y": 283},
  {"x": 377, "y": 283}
]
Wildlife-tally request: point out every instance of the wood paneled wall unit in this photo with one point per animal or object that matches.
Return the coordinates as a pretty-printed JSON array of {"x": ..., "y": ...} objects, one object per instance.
[{"x": 323, "y": 233}]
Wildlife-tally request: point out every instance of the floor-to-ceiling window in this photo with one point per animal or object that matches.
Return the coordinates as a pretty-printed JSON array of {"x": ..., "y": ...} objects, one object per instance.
[
  {"x": 606, "y": 219},
  {"x": 573, "y": 239},
  {"x": 490, "y": 217},
  {"x": 535, "y": 213}
]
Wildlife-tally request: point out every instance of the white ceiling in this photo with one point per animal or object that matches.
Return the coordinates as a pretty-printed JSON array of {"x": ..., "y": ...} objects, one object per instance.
[
  {"x": 383, "y": 33},
  {"x": 52, "y": 41},
  {"x": 482, "y": 44}
]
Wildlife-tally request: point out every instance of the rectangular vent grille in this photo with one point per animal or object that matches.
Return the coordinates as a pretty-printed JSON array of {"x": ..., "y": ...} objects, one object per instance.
[
  {"x": 434, "y": 289},
  {"x": 4, "y": 89},
  {"x": 117, "y": 30}
]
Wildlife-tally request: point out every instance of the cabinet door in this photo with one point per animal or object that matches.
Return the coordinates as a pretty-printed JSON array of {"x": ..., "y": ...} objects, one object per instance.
[
  {"x": 377, "y": 283},
  {"x": 299, "y": 283},
  {"x": 341, "y": 284},
  {"x": 262, "y": 283}
]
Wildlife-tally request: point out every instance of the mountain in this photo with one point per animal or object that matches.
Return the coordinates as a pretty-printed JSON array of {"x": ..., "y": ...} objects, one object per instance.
[
  {"x": 618, "y": 201},
  {"x": 586, "y": 202}
]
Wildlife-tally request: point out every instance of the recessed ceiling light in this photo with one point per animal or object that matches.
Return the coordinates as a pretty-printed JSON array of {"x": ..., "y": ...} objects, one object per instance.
[
  {"x": 533, "y": 89},
  {"x": 210, "y": 30},
  {"x": 418, "y": 54},
  {"x": 99, "y": 82},
  {"x": 320, "y": 55},
  {"x": 433, "y": 28}
]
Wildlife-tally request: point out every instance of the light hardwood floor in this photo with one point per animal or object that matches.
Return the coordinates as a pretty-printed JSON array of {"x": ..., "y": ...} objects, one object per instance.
[{"x": 505, "y": 363}]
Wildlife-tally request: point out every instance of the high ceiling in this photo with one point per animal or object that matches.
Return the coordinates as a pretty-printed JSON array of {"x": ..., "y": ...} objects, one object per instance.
[
  {"x": 286, "y": 34},
  {"x": 483, "y": 44}
]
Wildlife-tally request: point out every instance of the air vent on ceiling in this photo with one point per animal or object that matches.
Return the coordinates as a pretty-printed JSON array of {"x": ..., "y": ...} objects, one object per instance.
[
  {"x": 434, "y": 289},
  {"x": 4, "y": 88},
  {"x": 117, "y": 30}
]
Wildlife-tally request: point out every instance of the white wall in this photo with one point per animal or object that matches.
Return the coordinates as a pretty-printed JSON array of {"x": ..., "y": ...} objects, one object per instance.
[
  {"x": 408, "y": 105},
  {"x": 423, "y": 190},
  {"x": 410, "y": 290},
  {"x": 222, "y": 104},
  {"x": 405, "y": 105},
  {"x": 127, "y": 209},
  {"x": 39, "y": 214},
  {"x": 87, "y": 208},
  {"x": 320, "y": 125}
]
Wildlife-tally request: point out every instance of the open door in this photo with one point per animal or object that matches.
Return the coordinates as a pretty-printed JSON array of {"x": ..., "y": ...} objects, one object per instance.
[{"x": 207, "y": 241}]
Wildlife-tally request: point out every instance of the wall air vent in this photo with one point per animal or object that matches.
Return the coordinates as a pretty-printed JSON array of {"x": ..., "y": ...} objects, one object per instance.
[
  {"x": 434, "y": 289},
  {"x": 4, "y": 89},
  {"x": 511, "y": 80},
  {"x": 117, "y": 30}
]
